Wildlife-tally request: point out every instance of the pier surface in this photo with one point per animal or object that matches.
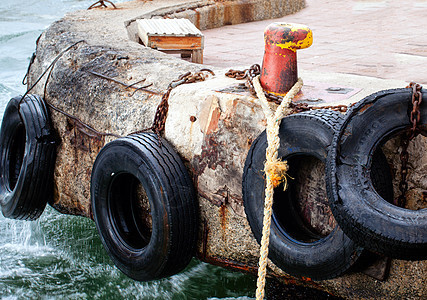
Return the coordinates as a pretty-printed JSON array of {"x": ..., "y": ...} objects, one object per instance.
[
  {"x": 215, "y": 144},
  {"x": 383, "y": 39}
]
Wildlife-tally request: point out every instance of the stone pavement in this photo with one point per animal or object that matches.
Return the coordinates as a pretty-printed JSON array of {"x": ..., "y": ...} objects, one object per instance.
[{"x": 384, "y": 39}]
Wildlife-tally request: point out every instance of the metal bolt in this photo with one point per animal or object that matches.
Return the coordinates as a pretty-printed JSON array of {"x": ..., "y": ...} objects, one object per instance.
[
  {"x": 334, "y": 89},
  {"x": 313, "y": 99}
]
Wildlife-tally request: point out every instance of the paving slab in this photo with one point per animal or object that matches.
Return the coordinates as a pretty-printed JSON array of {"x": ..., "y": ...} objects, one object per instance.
[{"x": 382, "y": 39}]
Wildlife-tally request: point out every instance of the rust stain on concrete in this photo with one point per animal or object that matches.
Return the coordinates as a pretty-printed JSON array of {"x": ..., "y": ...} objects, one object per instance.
[
  {"x": 223, "y": 220},
  {"x": 209, "y": 156}
]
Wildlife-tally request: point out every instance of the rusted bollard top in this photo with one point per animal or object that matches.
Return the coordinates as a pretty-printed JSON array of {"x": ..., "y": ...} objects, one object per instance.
[{"x": 279, "y": 68}]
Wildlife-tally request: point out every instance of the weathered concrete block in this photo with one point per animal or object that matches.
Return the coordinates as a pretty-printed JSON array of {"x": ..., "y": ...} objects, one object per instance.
[{"x": 211, "y": 130}]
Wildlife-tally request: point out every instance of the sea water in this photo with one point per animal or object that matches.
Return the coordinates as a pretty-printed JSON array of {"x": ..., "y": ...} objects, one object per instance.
[{"x": 60, "y": 256}]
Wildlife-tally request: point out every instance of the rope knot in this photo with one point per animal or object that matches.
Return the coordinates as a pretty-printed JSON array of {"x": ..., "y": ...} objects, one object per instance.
[{"x": 276, "y": 172}]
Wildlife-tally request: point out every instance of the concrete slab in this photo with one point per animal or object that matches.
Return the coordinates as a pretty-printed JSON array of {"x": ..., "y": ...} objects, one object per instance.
[{"x": 382, "y": 39}]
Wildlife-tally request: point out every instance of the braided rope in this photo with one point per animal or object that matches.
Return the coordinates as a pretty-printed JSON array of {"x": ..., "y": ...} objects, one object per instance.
[{"x": 274, "y": 168}]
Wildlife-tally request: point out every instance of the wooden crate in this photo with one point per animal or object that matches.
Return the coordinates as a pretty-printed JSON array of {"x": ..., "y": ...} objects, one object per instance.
[{"x": 172, "y": 36}]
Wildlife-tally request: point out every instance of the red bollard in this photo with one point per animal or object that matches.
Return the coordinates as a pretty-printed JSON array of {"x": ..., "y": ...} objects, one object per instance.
[{"x": 279, "y": 67}]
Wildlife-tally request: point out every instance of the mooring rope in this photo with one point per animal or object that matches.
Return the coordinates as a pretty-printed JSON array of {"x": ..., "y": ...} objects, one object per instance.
[{"x": 275, "y": 169}]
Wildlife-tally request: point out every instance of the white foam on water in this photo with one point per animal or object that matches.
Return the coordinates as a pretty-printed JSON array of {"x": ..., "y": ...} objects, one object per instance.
[
  {"x": 16, "y": 272},
  {"x": 27, "y": 250}
]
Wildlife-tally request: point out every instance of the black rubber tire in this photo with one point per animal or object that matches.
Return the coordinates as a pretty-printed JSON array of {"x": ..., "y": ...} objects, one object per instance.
[
  {"x": 303, "y": 134},
  {"x": 363, "y": 214},
  {"x": 141, "y": 252},
  {"x": 27, "y": 149}
]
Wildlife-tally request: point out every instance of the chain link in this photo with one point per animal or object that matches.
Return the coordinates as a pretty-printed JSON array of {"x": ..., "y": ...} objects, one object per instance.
[
  {"x": 239, "y": 75},
  {"x": 415, "y": 113},
  {"x": 254, "y": 70},
  {"x": 414, "y": 118}
]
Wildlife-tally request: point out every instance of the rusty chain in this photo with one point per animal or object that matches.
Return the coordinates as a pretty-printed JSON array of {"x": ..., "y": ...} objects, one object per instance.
[
  {"x": 254, "y": 70},
  {"x": 239, "y": 75},
  {"x": 159, "y": 121},
  {"x": 414, "y": 118},
  {"x": 417, "y": 98}
]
